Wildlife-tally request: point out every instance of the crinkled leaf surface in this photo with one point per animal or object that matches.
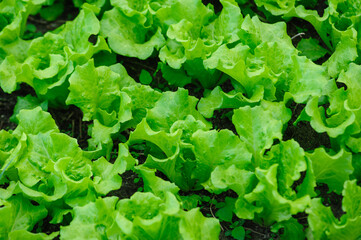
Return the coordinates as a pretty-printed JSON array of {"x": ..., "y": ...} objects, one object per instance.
[
  {"x": 127, "y": 37},
  {"x": 222, "y": 148},
  {"x": 290, "y": 158},
  {"x": 258, "y": 126},
  {"x": 173, "y": 106},
  {"x": 274, "y": 206}
]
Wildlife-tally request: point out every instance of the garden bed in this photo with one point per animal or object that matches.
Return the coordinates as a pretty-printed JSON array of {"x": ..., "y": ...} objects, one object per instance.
[{"x": 180, "y": 119}]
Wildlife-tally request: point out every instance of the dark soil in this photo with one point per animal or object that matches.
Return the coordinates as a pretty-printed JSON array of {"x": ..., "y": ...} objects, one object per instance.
[
  {"x": 227, "y": 86},
  {"x": 302, "y": 219},
  {"x": 259, "y": 232},
  {"x": 7, "y": 104},
  {"x": 135, "y": 65},
  {"x": 222, "y": 119},
  {"x": 46, "y": 227},
  {"x": 298, "y": 29},
  {"x": 70, "y": 122},
  {"x": 131, "y": 184},
  {"x": 215, "y": 3},
  {"x": 303, "y": 133},
  {"x": 330, "y": 199},
  {"x": 319, "y": 6}
]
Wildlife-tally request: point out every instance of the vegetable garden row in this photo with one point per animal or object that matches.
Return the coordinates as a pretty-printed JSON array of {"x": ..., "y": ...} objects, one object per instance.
[{"x": 180, "y": 119}]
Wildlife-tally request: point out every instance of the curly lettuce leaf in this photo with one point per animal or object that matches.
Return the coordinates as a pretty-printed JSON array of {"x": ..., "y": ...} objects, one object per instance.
[
  {"x": 177, "y": 77},
  {"x": 278, "y": 7},
  {"x": 13, "y": 14},
  {"x": 350, "y": 203},
  {"x": 144, "y": 216},
  {"x": 96, "y": 92},
  {"x": 231, "y": 61},
  {"x": 213, "y": 148},
  {"x": 225, "y": 28},
  {"x": 319, "y": 219},
  {"x": 35, "y": 121},
  {"x": 164, "y": 219},
  {"x": 107, "y": 124},
  {"x": 345, "y": 53},
  {"x": 331, "y": 169},
  {"x": 197, "y": 41},
  {"x": 188, "y": 126},
  {"x": 274, "y": 207},
  {"x": 8, "y": 144},
  {"x": 107, "y": 175},
  {"x": 42, "y": 152},
  {"x": 349, "y": 78},
  {"x": 173, "y": 106},
  {"x": 231, "y": 177},
  {"x": 101, "y": 135},
  {"x": 26, "y": 235},
  {"x": 167, "y": 142},
  {"x": 19, "y": 214},
  {"x": 129, "y": 38},
  {"x": 155, "y": 184},
  {"x": 206, "y": 228},
  {"x": 170, "y": 158},
  {"x": 290, "y": 158},
  {"x": 27, "y": 102},
  {"x": 185, "y": 33},
  {"x": 183, "y": 22},
  {"x": 127, "y": 81},
  {"x": 142, "y": 98},
  {"x": 338, "y": 120},
  {"x": 208, "y": 78},
  {"x": 48, "y": 171},
  {"x": 97, "y": 3},
  {"x": 192, "y": 11},
  {"x": 352, "y": 103},
  {"x": 260, "y": 125},
  {"x": 172, "y": 53},
  {"x": 218, "y": 99},
  {"x": 51, "y": 67},
  {"x": 13, "y": 17},
  {"x": 49, "y": 59},
  {"x": 43, "y": 76},
  {"x": 76, "y": 173},
  {"x": 91, "y": 220},
  {"x": 263, "y": 59},
  {"x": 178, "y": 168},
  {"x": 139, "y": 10},
  {"x": 310, "y": 80},
  {"x": 13, "y": 73},
  {"x": 254, "y": 32},
  {"x": 311, "y": 49},
  {"x": 347, "y": 12},
  {"x": 10, "y": 155},
  {"x": 324, "y": 225},
  {"x": 77, "y": 32}
]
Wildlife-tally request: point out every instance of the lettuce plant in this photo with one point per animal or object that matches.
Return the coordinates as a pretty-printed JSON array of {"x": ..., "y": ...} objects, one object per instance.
[{"x": 197, "y": 106}]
